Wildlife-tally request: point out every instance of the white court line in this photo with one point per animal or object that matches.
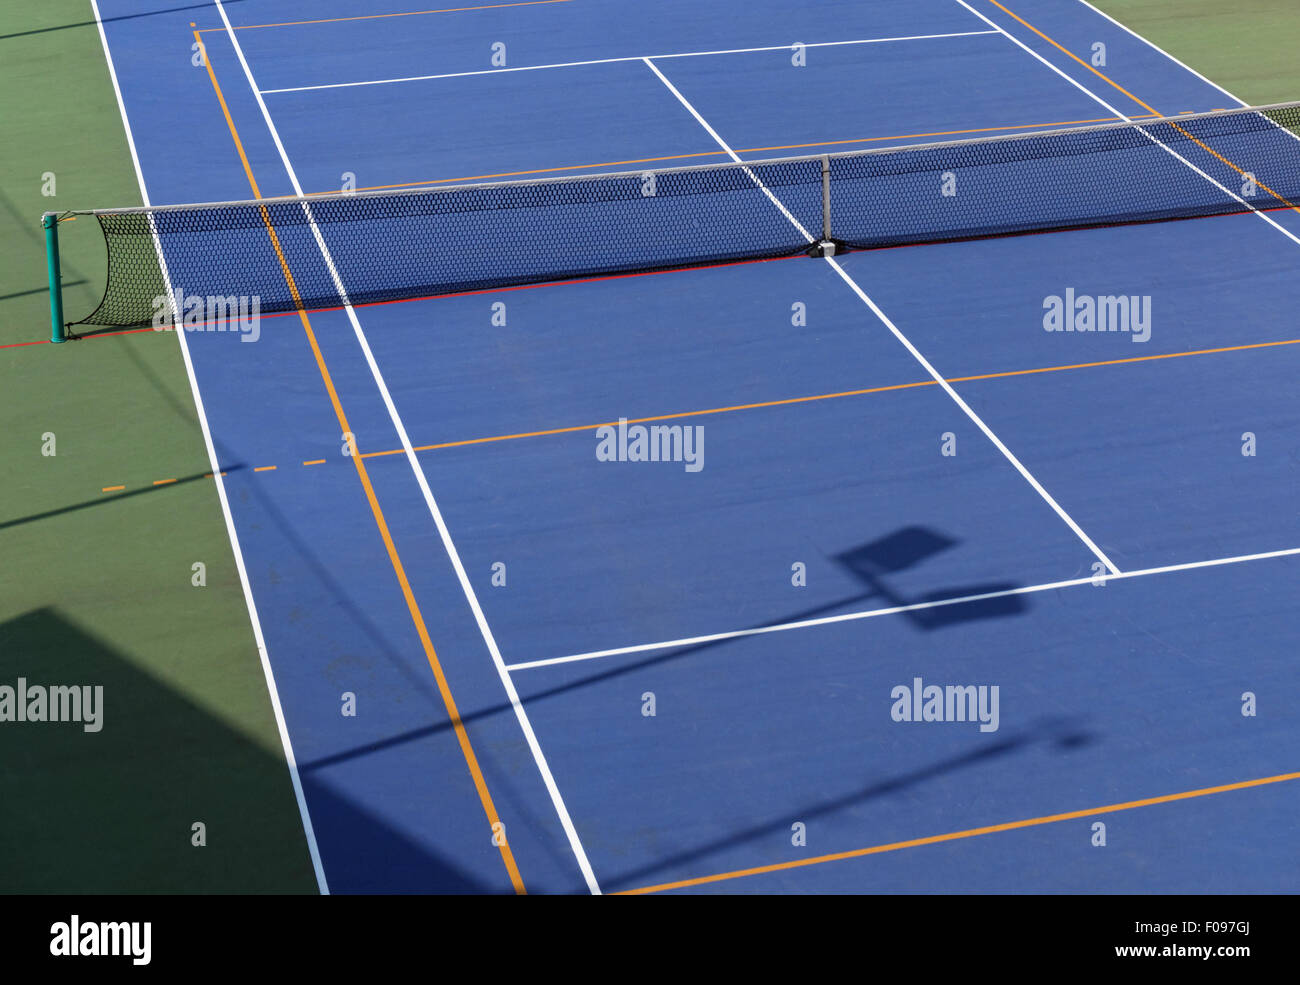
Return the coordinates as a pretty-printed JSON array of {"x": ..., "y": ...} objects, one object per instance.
[
  {"x": 892, "y": 610},
  {"x": 489, "y": 640},
  {"x": 272, "y": 690},
  {"x": 1152, "y": 44},
  {"x": 1137, "y": 126},
  {"x": 627, "y": 58},
  {"x": 721, "y": 143},
  {"x": 925, "y": 363},
  {"x": 969, "y": 412},
  {"x": 1183, "y": 65}
]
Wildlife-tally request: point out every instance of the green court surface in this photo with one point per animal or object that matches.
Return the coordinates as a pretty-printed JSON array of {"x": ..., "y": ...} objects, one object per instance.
[
  {"x": 1248, "y": 47},
  {"x": 96, "y": 586}
]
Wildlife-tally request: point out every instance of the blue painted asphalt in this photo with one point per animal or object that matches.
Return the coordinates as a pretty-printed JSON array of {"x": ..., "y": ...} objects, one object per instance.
[{"x": 1109, "y": 694}]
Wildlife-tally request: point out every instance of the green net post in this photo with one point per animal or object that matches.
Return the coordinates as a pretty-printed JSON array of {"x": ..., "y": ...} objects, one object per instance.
[{"x": 51, "y": 223}]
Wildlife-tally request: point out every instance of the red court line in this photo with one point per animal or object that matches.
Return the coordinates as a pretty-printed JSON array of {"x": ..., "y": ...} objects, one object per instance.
[
  {"x": 436, "y": 297},
  {"x": 707, "y": 266},
  {"x": 125, "y": 331},
  {"x": 83, "y": 338}
]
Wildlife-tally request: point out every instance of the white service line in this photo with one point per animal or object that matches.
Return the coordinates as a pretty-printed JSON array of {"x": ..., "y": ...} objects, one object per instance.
[
  {"x": 925, "y": 363},
  {"x": 892, "y": 610},
  {"x": 625, "y": 58},
  {"x": 274, "y": 693},
  {"x": 1137, "y": 126},
  {"x": 489, "y": 640}
]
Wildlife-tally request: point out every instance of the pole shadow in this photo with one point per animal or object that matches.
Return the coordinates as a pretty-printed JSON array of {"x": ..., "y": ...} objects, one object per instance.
[
  {"x": 869, "y": 563},
  {"x": 109, "y": 499},
  {"x": 1061, "y": 734}
]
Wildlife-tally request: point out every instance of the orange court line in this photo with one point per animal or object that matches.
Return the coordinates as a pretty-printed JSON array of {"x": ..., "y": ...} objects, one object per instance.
[
  {"x": 807, "y": 399},
  {"x": 958, "y": 835},
  {"x": 112, "y": 488},
  {"x": 265, "y": 468},
  {"x": 372, "y": 17},
  {"x": 1146, "y": 106},
  {"x": 163, "y": 482},
  {"x": 225, "y": 111},
  {"x": 837, "y": 395},
  {"x": 1091, "y": 68},
  {"x": 399, "y": 570},
  {"x": 740, "y": 150}
]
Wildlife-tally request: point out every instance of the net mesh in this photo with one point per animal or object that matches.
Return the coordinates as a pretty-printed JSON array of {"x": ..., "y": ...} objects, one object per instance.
[
  {"x": 389, "y": 247},
  {"x": 1182, "y": 167},
  {"x": 453, "y": 239}
]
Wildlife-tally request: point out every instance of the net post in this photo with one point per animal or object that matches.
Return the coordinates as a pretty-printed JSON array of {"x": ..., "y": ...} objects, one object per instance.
[
  {"x": 826, "y": 246},
  {"x": 51, "y": 223},
  {"x": 826, "y": 197}
]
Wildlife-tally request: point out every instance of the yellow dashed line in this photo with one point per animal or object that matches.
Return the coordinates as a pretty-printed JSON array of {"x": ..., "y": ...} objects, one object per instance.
[
  {"x": 162, "y": 482},
  {"x": 112, "y": 488},
  {"x": 266, "y": 468},
  {"x": 317, "y": 461}
]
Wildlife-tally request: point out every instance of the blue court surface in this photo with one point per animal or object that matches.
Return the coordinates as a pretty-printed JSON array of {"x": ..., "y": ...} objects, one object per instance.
[{"x": 579, "y": 675}]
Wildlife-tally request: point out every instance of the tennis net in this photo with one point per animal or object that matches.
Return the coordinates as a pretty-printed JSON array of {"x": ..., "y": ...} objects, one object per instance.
[{"x": 329, "y": 250}]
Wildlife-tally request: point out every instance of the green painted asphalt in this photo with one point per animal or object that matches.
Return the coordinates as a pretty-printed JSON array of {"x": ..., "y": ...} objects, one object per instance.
[{"x": 95, "y": 588}]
